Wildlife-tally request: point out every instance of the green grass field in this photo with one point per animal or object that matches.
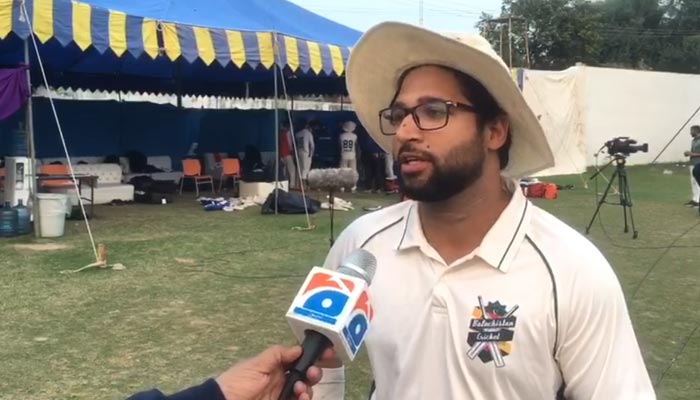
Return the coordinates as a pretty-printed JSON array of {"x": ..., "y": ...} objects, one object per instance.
[{"x": 203, "y": 289}]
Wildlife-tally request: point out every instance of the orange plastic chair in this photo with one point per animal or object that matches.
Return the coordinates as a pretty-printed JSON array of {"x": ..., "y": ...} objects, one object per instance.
[
  {"x": 192, "y": 169},
  {"x": 231, "y": 168},
  {"x": 55, "y": 169}
]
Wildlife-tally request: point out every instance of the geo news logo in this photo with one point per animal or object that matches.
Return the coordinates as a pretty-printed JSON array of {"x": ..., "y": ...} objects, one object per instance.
[{"x": 326, "y": 298}]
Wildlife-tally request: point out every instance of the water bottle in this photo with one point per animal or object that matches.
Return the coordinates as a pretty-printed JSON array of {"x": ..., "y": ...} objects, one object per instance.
[
  {"x": 18, "y": 143},
  {"x": 8, "y": 221},
  {"x": 24, "y": 223}
]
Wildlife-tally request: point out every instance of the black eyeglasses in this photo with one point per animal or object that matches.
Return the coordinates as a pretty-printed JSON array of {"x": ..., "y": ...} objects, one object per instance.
[{"x": 428, "y": 116}]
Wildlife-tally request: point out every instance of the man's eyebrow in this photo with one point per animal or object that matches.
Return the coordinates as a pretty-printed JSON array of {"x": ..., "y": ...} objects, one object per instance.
[{"x": 421, "y": 100}]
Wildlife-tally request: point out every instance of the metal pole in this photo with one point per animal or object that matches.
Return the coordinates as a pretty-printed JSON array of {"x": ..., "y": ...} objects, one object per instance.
[
  {"x": 29, "y": 133},
  {"x": 420, "y": 12},
  {"x": 500, "y": 42},
  {"x": 275, "y": 131},
  {"x": 510, "y": 40},
  {"x": 527, "y": 46},
  {"x": 277, "y": 142}
]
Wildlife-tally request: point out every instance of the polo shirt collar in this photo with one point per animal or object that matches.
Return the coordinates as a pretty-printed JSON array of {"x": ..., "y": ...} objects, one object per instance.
[{"x": 499, "y": 246}]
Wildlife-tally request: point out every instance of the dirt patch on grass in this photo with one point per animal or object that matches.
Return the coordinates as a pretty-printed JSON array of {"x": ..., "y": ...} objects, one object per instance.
[
  {"x": 185, "y": 260},
  {"x": 42, "y": 247}
]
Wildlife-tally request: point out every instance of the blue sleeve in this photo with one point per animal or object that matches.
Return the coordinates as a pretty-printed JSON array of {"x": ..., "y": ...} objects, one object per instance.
[{"x": 209, "y": 390}]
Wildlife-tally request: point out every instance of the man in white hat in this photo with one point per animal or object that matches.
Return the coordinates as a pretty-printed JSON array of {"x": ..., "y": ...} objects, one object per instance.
[
  {"x": 348, "y": 146},
  {"x": 479, "y": 294}
]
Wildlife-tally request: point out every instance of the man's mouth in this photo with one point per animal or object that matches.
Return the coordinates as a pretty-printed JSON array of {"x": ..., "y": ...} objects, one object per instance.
[
  {"x": 406, "y": 158},
  {"x": 413, "y": 163}
]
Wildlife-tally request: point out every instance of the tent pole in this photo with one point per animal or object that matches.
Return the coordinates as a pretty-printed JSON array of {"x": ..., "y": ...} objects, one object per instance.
[
  {"x": 29, "y": 133},
  {"x": 277, "y": 125},
  {"x": 178, "y": 83}
]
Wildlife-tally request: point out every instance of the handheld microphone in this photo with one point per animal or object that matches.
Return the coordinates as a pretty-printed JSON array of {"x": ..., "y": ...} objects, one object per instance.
[
  {"x": 331, "y": 309},
  {"x": 332, "y": 179}
]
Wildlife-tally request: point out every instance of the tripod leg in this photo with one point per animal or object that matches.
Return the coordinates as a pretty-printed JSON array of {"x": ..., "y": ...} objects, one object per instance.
[
  {"x": 628, "y": 203},
  {"x": 622, "y": 181},
  {"x": 601, "y": 201}
]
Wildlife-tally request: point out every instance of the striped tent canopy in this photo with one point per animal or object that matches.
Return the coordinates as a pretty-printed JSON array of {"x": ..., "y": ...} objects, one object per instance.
[{"x": 144, "y": 30}]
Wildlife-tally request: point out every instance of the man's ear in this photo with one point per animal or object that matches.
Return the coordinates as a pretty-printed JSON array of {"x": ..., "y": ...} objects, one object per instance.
[{"x": 497, "y": 133}]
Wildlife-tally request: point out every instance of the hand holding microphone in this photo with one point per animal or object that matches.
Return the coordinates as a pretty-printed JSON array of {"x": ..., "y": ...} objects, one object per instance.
[
  {"x": 332, "y": 309},
  {"x": 262, "y": 377}
]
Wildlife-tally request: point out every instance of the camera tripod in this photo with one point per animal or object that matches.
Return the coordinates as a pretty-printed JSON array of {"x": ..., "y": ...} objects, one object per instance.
[{"x": 624, "y": 192}]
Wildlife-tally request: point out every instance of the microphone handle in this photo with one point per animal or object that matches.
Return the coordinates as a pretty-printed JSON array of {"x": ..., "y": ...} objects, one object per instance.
[{"x": 313, "y": 346}]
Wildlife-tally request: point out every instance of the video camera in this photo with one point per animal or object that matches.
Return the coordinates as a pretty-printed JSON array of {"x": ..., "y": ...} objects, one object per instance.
[{"x": 625, "y": 146}]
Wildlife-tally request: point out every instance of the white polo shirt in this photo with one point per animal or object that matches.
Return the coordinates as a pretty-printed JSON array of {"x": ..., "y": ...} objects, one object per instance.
[{"x": 555, "y": 313}]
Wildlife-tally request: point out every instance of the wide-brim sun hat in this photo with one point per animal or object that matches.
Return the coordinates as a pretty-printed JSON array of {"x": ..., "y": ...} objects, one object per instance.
[{"x": 386, "y": 51}]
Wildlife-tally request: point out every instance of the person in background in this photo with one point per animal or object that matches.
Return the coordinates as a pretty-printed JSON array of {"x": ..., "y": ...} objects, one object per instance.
[
  {"x": 258, "y": 378},
  {"x": 286, "y": 156},
  {"x": 694, "y": 158},
  {"x": 348, "y": 147},
  {"x": 372, "y": 157},
  {"x": 305, "y": 148}
]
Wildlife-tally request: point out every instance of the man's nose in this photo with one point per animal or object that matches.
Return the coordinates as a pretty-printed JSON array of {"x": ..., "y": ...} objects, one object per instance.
[{"x": 408, "y": 130}]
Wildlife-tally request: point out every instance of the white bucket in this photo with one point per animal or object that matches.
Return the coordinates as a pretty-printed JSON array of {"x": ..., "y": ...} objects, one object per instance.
[{"x": 52, "y": 214}]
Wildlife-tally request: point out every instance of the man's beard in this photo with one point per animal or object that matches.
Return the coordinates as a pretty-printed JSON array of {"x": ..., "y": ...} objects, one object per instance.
[{"x": 460, "y": 169}]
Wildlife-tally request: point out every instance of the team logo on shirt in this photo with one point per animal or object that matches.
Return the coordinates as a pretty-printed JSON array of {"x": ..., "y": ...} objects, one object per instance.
[{"x": 491, "y": 332}]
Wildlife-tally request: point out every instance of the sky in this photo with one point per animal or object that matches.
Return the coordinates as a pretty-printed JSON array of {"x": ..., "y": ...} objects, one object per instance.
[{"x": 438, "y": 15}]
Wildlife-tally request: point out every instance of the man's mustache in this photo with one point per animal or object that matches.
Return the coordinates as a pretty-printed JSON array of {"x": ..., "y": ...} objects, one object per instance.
[{"x": 411, "y": 149}]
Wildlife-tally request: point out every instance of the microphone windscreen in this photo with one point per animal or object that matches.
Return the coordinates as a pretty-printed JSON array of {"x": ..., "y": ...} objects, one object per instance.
[
  {"x": 316, "y": 178},
  {"x": 332, "y": 178}
]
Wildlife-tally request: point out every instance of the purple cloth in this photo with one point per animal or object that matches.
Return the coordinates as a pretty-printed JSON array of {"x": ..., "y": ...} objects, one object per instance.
[{"x": 14, "y": 90}]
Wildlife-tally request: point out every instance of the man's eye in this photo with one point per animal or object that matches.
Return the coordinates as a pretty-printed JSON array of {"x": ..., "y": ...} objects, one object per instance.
[
  {"x": 433, "y": 110},
  {"x": 397, "y": 116}
]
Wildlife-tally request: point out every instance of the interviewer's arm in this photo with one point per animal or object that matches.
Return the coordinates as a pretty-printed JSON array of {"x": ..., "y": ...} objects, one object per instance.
[
  {"x": 257, "y": 378},
  {"x": 209, "y": 390}
]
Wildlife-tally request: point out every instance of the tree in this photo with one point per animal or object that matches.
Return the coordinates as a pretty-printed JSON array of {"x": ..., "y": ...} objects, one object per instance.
[
  {"x": 640, "y": 34},
  {"x": 560, "y": 33}
]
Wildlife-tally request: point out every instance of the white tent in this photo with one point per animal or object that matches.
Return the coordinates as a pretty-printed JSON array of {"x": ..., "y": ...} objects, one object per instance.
[{"x": 581, "y": 108}]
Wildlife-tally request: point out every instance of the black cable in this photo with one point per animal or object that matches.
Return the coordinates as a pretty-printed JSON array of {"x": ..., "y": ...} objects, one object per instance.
[
  {"x": 675, "y": 136},
  {"x": 660, "y": 257},
  {"x": 245, "y": 277},
  {"x": 200, "y": 268},
  {"x": 658, "y": 260},
  {"x": 675, "y": 357},
  {"x": 243, "y": 251},
  {"x": 217, "y": 257},
  {"x": 610, "y": 239},
  {"x": 649, "y": 271},
  {"x": 612, "y": 242}
]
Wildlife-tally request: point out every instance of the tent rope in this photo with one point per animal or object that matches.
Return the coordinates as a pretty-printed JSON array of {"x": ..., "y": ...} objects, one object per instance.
[
  {"x": 60, "y": 131},
  {"x": 285, "y": 94}
]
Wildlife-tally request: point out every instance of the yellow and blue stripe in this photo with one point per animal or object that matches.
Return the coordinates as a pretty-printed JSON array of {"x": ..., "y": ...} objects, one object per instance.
[{"x": 83, "y": 25}]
